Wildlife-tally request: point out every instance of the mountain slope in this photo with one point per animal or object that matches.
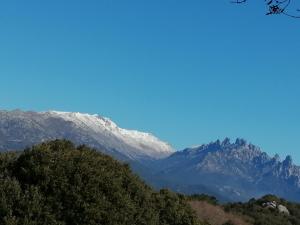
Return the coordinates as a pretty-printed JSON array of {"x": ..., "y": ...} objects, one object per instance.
[
  {"x": 20, "y": 129},
  {"x": 234, "y": 171},
  {"x": 230, "y": 171}
]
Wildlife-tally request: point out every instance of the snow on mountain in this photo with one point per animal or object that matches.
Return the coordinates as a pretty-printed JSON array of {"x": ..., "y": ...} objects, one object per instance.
[
  {"x": 19, "y": 129},
  {"x": 231, "y": 171}
]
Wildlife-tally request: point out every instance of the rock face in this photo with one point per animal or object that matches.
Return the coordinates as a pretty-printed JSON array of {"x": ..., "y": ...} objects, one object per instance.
[
  {"x": 273, "y": 205},
  {"x": 283, "y": 209},
  {"x": 232, "y": 171},
  {"x": 20, "y": 129}
]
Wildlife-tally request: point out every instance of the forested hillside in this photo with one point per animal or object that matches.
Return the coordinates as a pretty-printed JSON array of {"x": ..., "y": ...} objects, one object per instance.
[{"x": 56, "y": 183}]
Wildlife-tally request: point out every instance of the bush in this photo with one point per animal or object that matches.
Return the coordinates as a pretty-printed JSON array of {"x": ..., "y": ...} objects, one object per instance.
[
  {"x": 56, "y": 183},
  {"x": 267, "y": 216}
]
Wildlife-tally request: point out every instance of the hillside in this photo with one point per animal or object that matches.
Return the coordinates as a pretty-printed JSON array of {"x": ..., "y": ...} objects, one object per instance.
[
  {"x": 56, "y": 183},
  {"x": 21, "y": 129},
  {"x": 231, "y": 171},
  {"x": 235, "y": 171},
  {"x": 216, "y": 215},
  {"x": 268, "y": 210}
]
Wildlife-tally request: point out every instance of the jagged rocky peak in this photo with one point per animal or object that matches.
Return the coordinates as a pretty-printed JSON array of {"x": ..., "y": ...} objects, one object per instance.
[
  {"x": 288, "y": 162},
  {"x": 276, "y": 158},
  {"x": 218, "y": 143},
  {"x": 226, "y": 142},
  {"x": 238, "y": 170},
  {"x": 241, "y": 142},
  {"x": 215, "y": 144}
]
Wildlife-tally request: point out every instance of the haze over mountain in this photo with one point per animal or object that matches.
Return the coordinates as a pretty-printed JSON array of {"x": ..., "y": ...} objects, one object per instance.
[{"x": 231, "y": 171}]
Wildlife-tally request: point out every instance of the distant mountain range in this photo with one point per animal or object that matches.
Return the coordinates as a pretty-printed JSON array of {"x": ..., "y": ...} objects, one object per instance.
[{"x": 230, "y": 171}]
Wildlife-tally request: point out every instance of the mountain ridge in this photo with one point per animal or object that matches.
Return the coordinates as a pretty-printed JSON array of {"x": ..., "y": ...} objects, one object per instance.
[
  {"x": 237, "y": 170},
  {"x": 20, "y": 129},
  {"x": 234, "y": 171}
]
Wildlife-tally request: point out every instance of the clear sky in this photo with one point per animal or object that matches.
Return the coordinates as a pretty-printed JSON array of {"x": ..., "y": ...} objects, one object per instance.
[{"x": 188, "y": 71}]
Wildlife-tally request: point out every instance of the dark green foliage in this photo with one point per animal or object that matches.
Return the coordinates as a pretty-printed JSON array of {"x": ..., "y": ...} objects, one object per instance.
[
  {"x": 267, "y": 216},
  {"x": 56, "y": 183},
  {"x": 173, "y": 209}
]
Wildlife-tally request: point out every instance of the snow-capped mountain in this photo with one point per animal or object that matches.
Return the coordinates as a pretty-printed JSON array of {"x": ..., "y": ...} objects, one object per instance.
[
  {"x": 19, "y": 129},
  {"x": 232, "y": 171}
]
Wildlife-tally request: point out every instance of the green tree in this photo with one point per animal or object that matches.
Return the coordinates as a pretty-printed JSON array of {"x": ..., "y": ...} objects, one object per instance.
[{"x": 56, "y": 183}]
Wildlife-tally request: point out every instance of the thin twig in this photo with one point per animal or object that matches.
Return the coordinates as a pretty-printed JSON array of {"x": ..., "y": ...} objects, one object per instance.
[{"x": 275, "y": 7}]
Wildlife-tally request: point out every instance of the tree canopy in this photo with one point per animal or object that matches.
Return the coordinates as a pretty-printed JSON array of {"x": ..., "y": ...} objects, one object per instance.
[{"x": 56, "y": 183}]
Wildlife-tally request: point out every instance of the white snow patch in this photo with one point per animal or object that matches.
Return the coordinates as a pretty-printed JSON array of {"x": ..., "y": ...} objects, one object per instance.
[{"x": 135, "y": 142}]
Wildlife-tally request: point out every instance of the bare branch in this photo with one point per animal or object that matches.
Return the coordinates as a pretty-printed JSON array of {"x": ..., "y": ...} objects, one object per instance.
[{"x": 275, "y": 7}]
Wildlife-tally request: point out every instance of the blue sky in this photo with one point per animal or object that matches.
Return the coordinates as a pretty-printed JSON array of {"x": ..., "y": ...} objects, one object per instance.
[{"x": 188, "y": 71}]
